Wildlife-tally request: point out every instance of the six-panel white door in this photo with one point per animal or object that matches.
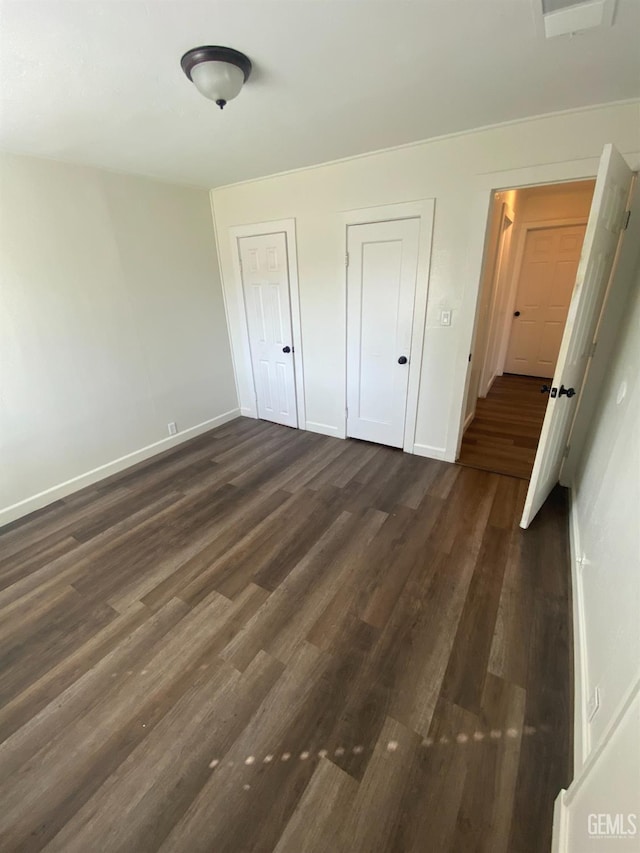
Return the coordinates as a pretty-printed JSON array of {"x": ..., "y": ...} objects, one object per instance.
[
  {"x": 265, "y": 283},
  {"x": 547, "y": 275},
  {"x": 381, "y": 282},
  {"x": 606, "y": 221}
]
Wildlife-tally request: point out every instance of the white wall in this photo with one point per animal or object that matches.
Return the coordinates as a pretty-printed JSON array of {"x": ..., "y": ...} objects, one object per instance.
[
  {"x": 112, "y": 324},
  {"x": 447, "y": 170},
  {"x": 605, "y": 473},
  {"x": 559, "y": 201}
]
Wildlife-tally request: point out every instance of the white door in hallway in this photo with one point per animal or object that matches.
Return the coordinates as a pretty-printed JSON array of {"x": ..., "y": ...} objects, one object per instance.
[
  {"x": 265, "y": 283},
  {"x": 545, "y": 283},
  {"x": 605, "y": 229},
  {"x": 381, "y": 282}
]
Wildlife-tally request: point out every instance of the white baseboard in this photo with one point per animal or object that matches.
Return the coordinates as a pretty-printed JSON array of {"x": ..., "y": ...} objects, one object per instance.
[
  {"x": 62, "y": 490},
  {"x": 581, "y": 738},
  {"x": 324, "y": 429},
  {"x": 484, "y": 391},
  {"x": 467, "y": 423},
  {"x": 431, "y": 452},
  {"x": 248, "y": 412},
  {"x": 560, "y": 824}
]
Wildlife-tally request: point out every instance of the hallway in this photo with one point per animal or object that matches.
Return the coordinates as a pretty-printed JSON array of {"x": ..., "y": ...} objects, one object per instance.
[{"x": 504, "y": 433}]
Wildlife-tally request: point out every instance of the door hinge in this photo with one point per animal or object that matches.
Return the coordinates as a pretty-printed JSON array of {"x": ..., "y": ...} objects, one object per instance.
[
  {"x": 346, "y": 413},
  {"x": 592, "y": 349},
  {"x": 565, "y": 452},
  {"x": 627, "y": 217},
  {"x": 346, "y": 259}
]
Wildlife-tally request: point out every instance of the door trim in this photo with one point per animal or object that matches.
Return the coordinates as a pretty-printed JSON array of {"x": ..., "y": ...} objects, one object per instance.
[
  {"x": 520, "y": 234},
  {"x": 499, "y": 273},
  {"x": 257, "y": 229},
  {"x": 481, "y": 199},
  {"x": 424, "y": 211}
]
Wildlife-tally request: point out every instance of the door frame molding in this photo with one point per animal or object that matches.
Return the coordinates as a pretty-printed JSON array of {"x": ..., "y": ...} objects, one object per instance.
[
  {"x": 521, "y": 232},
  {"x": 499, "y": 272},
  {"x": 423, "y": 210},
  {"x": 485, "y": 185},
  {"x": 257, "y": 229}
]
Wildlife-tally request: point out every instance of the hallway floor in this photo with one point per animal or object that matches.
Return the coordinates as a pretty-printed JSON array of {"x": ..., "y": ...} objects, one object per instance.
[{"x": 504, "y": 433}]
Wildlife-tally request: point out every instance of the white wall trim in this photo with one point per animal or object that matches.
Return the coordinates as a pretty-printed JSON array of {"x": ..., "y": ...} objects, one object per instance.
[
  {"x": 560, "y": 835},
  {"x": 486, "y": 185},
  {"x": 424, "y": 210},
  {"x": 325, "y": 429},
  {"x": 62, "y": 490},
  {"x": 499, "y": 273},
  {"x": 468, "y": 420},
  {"x": 581, "y": 735},
  {"x": 225, "y": 302},
  {"x": 431, "y": 452},
  {"x": 288, "y": 227}
]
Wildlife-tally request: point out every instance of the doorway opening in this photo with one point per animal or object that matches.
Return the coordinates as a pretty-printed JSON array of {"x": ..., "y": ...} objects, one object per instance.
[{"x": 533, "y": 246}]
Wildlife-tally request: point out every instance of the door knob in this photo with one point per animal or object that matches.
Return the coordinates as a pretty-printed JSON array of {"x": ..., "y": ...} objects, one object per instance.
[
  {"x": 568, "y": 391},
  {"x": 516, "y": 313},
  {"x": 286, "y": 349},
  {"x": 403, "y": 359},
  {"x": 545, "y": 389}
]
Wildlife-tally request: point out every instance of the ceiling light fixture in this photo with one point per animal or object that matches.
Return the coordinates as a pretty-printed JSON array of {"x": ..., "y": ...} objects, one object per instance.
[{"x": 217, "y": 72}]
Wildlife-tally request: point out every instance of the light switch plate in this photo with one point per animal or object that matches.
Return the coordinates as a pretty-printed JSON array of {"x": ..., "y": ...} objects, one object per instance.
[{"x": 445, "y": 317}]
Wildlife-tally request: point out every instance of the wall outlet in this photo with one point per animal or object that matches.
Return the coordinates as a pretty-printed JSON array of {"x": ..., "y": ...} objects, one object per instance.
[
  {"x": 173, "y": 428},
  {"x": 593, "y": 704},
  {"x": 445, "y": 317}
]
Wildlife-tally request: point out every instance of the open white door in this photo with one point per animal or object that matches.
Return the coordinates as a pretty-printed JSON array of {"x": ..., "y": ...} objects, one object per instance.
[{"x": 606, "y": 222}]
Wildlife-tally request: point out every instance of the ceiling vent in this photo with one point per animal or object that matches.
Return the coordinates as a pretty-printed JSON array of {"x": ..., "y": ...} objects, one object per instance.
[{"x": 565, "y": 17}]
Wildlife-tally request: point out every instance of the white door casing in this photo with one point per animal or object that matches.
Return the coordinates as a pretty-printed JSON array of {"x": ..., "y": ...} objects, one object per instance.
[
  {"x": 489, "y": 354},
  {"x": 545, "y": 283},
  {"x": 603, "y": 233},
  {"x": 381, "y": 284},
  {"x": 265, "y": 283}
]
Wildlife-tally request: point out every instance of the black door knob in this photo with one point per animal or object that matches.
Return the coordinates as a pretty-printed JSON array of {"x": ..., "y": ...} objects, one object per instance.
[
  {"x": 545, "y": 389},
  {"x": 516, "y": 313},
  {"x": 286, "y": 349},
  {"x": 570, "y": 392},
  {"x": 403, "y": 359}
]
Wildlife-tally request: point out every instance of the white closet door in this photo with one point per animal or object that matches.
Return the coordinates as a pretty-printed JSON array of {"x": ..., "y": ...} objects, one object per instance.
[
  {"x": 265, "y": 282},
  {"x": 381, "y": 282}
]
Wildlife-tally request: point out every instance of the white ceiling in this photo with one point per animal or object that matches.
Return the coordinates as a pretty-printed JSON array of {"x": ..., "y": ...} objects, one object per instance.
[{"x": 99, "y": 81}]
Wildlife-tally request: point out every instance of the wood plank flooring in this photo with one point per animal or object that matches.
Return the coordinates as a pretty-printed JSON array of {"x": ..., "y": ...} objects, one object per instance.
[
  {"x": 503, "y": 436},
  {"x": 271, "y": 640}
]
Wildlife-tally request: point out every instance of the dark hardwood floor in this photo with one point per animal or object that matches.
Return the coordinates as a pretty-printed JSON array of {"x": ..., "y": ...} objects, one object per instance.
[
  {"x": 271, "y": 640},
  {"x": 503, "y": 436}
]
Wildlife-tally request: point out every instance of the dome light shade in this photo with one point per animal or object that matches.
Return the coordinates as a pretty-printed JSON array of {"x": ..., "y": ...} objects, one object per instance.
[{"x": 218, "y": 73}]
